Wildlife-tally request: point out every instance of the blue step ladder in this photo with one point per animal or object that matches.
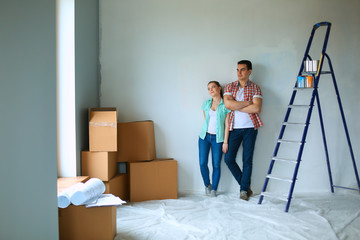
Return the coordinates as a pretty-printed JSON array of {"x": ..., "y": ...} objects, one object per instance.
[{"x": 275, "y": 158}]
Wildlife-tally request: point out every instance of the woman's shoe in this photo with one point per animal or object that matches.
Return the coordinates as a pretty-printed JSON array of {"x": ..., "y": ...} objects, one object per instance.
[
  {"x": 208, "y": 189},
  {"x": 213, "y": 193}
]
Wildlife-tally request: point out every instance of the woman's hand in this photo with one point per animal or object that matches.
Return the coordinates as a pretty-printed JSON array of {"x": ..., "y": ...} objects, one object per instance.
[{"x": 225, "y": 147}]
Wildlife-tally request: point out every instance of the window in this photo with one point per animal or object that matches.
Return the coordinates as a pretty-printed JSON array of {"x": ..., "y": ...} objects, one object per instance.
[{"x": 65, "y": 88}]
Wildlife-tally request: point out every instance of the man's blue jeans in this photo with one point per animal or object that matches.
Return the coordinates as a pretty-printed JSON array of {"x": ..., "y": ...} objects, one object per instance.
[
  {"x": 247, "y": 136},
  {"x": 216, "y": 152}
]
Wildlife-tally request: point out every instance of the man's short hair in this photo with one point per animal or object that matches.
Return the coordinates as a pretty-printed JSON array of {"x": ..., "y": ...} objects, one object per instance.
[{"x": 247, "y": 63}]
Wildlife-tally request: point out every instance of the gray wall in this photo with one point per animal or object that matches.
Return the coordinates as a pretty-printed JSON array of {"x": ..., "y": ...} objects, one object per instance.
[
  {"x": 158, "y": 56},
  {"x": 28, "y": 105},
  {"x": 86, "y": 69},
  {"x": 28, "y": 120}
]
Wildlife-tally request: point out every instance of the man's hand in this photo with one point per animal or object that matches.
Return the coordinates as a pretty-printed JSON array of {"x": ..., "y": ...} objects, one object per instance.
[
  {"x": 232, "y": 104},
  {"x": 253, "y": 108}
]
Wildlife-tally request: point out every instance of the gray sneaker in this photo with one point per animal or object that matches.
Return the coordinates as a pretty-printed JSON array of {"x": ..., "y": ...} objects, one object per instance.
[
  {"x": 244, "y": 195},
  {"x": 213, "y": 193},
  {"x": 208, "y": 189}
]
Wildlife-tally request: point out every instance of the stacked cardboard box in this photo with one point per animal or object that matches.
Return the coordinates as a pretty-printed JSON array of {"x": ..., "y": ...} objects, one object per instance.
[
  {"x": 102, "y": 130},
  {"x": 153, "y": 180},
  {"x": 123, "y": 155},
  {"x": 150, "y": 178},
  {"x": 101, "y": 159}
]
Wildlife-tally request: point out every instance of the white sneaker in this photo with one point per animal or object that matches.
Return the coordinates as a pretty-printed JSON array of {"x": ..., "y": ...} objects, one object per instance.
[
  {"x": 208, "y": 189},
  {"x": 213, "y": 193}
]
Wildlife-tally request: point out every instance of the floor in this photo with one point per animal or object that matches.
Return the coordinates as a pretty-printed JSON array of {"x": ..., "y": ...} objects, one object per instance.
[{"x": 322, "y": 216}]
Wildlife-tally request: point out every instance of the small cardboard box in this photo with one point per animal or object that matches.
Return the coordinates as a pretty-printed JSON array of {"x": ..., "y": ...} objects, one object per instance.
[
  {"x": 118, "y": 186},
  {"x": 79, "y": 223},
  {"x": 153, "y": 180},
  {"x": 102, "y": 165},
  {"x": 103, "y": 129},
  {"x": 136, "y": 141}
]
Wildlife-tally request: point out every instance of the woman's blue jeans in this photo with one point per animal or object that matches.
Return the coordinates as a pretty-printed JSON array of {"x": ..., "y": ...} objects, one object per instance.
[
  {"x": 216, "y": 151},
  {"x": 247, "y": 136}
]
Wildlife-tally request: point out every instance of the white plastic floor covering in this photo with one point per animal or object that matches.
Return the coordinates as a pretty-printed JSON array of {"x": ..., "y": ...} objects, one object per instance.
[{"x": 321, "y": 216}]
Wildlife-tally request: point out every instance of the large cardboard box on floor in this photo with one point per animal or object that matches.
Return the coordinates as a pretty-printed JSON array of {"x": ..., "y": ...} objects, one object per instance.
[
  {"x": 103, "y": 129},
  {"x": 102, "y": 165},
  {"x": 153, "y": 180},
  {"x": 136, "y": 141},
  {"x": 79, "y": 223},
  {"x": 118, "y": 186}
]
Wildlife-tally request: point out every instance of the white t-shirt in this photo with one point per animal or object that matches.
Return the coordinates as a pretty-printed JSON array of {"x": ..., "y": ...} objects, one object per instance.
[
  {"x": 241, "y": 119},
  {"x": 212, "y": 122}
]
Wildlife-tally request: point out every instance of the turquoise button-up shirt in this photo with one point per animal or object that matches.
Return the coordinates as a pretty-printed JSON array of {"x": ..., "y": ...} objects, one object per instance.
[{"x": 221, "y": 112}]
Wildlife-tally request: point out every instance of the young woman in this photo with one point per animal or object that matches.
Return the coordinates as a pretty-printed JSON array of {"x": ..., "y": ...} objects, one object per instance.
[{"x": 214, "y": 136}]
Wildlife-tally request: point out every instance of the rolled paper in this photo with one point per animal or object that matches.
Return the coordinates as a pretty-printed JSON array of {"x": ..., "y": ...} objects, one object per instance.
[{"x": 90, "y": 190}]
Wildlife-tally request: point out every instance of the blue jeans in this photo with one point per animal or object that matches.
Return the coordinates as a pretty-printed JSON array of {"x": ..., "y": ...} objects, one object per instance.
[
  {"x": 216, "y": 152},
  {"x": 247, "y": 136}
]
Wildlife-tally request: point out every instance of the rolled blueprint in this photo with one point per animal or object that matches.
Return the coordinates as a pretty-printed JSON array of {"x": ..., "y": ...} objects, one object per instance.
[
  {"x": 65, "y": 195},
  {"x": 90, "y": 190}
]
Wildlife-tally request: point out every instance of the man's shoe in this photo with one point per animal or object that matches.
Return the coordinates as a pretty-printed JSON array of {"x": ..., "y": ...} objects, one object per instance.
[
  {"x": 250, "y": 192},
  {"x": 213, "y": 193},
  {"x": 208, "y": 189},
  {"x": 244, "y": 195}
]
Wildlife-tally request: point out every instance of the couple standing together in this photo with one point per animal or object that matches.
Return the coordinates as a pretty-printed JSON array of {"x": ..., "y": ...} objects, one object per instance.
[{"x": 231, "y": 118}]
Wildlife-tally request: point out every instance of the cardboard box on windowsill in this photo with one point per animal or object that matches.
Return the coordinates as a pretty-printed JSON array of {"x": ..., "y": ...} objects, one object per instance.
[{"x": 79, "y": 223}]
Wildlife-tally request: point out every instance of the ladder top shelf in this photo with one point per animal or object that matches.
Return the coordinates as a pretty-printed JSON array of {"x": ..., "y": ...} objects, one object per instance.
[{"x": 314, "y": 73}]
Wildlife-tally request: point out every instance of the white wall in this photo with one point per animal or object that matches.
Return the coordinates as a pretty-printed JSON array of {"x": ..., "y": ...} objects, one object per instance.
[{"x": 157, "y": 56}]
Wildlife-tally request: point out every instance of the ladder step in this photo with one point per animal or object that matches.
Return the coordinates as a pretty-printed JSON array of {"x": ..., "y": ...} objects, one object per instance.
[
  {"x": 299, "y": 106},
  {"x": 297, "y": 88},
  {"x": 294, "y": 123},
  {"x": 289, "y": 141},
  {"x": 285, "y": 159},
  {"x": 348, "y": 188},
  {"x": 315, "y": 72},
  {"x": 279, "y": 178},
  {"x": 282, "y": 197}
]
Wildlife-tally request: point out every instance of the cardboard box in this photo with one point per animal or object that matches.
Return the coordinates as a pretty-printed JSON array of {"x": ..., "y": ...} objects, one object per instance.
[
  {"x": 153, "y": 180},
  {"x": 65, "y": 182},
  {"x": 102, "y": 165},
  {"x": 79, "y": 223},
  {"x": 103, "y": 129},
  {"x": 118, "y": 186},
  {"x": 136, "y": 141}
]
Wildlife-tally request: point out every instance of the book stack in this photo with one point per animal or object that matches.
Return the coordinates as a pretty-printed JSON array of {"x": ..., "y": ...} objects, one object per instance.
[{"x": 311, "y": 65}]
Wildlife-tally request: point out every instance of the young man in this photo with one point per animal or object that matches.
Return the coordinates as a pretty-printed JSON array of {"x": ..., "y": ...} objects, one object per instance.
[{"x": 244, "y": 99}]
